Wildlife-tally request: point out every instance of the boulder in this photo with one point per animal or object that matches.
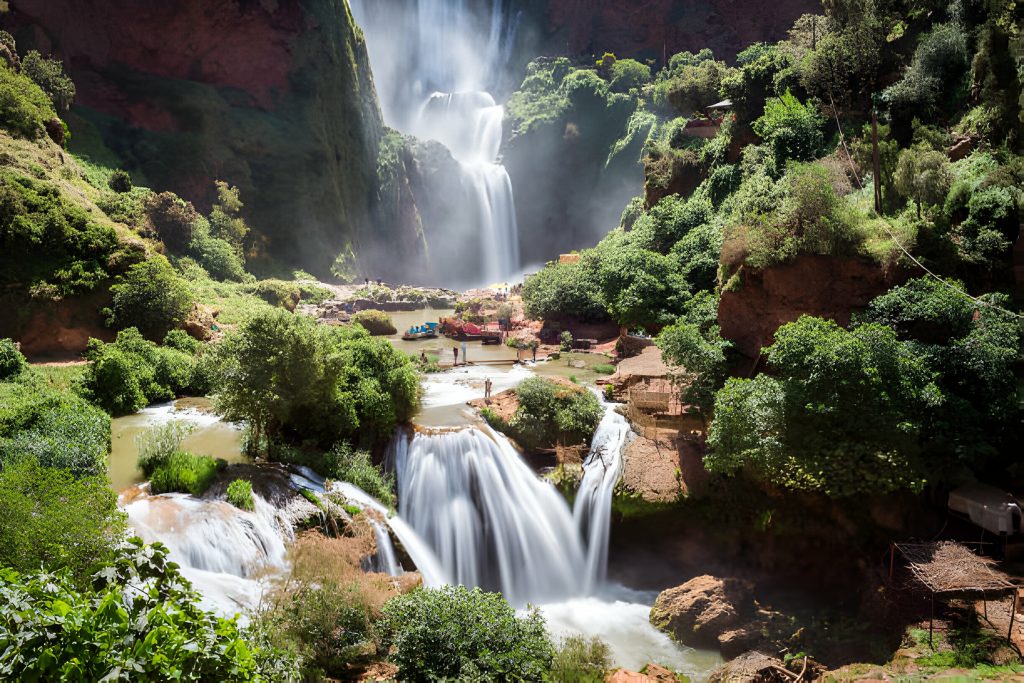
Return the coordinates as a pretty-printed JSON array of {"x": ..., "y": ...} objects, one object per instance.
[
  {"x": 750, "y": 667},
  {"x": 702, "y": 609},
  {"x": 652, "y": 673}
]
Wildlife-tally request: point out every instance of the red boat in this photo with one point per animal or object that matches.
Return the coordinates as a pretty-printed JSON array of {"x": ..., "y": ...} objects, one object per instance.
[{"x": 453, "y": 328}]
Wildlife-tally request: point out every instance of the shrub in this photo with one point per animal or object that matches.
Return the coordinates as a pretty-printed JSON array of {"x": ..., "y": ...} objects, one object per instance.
[
  {"x": 562, "y": 289},
  {"x": 240, "y": 494},
  {"x": 440, "y": 634},
  {"x": 120, "y": 181},
  {"x": 182, "y": 341},
  {"x": 278, "y": 293},
  {"x": 172, "y": 218},
  {"x": 292, "y": 379},
  {"x": 377, "y": 323},
  {"x": 226, "y": 222},
  {"x": 139, "y": 615},
  {"x": 551, "y": 413},
  {"x": 924, "y": 175},
  {"x": 48, "y": 243},
  {"x": 356, "y": 467},
  {"x": 53, "y": 520},
  {"x": 581, "y": 660},
  {"x": 12, "y": 362},
  {"x": 184, "y": 472},
  {"x": 151, "y": 297},
  {"x": 220, "y": 259},
  {"x": 49, "y": 75},
  {"x": 565, "y": 341},
  {"x": 627, "y": 74},
  {"x": 792, "y": 130},
  {"x": 604, "y": 369},
  {"x": 24, "y": 107},
  {"x": 57, "y": 428},
  {"x": 157, "y": 444}
]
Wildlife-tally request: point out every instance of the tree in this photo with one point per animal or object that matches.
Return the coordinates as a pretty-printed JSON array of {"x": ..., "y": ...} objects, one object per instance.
[
  {"x": 791, "y": 129},
  {"x": 562, "y": 289},
  {"x": 694, "y": 345},
  {"x": 49, "y": 75},
  {"x": 437, "y": 634},
  {"x": 628, "y": 74},
  {"x": 53, "y": 520},
  {"x": 173, "y": 218},
  {"x": 842, "y": 412},
  {"x": 226, "y": 220},
  {"x": 924, "y": 175},
  {"x": 294, "y": 380},
  {"x": 152, "y": 297}
]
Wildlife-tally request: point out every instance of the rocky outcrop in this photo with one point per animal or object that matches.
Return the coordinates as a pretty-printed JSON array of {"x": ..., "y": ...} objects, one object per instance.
[
  {"x": 54, "y": 329},
  {"x": 751, "y": 667},
  {"x": 651, "y": 470},
  {"x": 652, "y": 673},
  {"x": 824, "y": 286},
  {"x": 700, "y": 610},
  {"x": 273, "y": 96},
  {"x": 654, "y": 29}
]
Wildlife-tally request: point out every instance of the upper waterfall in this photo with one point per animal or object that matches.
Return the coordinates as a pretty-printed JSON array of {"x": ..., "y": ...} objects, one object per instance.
[{"x": 435, "y": 85}]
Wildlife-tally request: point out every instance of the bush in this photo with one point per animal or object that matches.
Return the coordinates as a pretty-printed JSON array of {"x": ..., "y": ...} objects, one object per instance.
[
  {"x": 120, "y": 181},
  {"x": 184, "y": 472},
  {"x": 792, "y": 130},
  {"x": 550, "y": 413},
  {"x": 139, "y": 615},
  {"x": 51, "y": 246},
  {"x": 456, "y": 632},
  {"x": 157, "y": 444},
  {"x": 220, "y": 259},
  {"x": 53, "y": 520},
  {"x": 565, "y": 341},
  {"x": 355, "y": 466},
  {"x": 240, "y": 494},
  {"x": 628, "y": 74},
  {"x": 604, "y": 369},
  {"x": 377, "y": 323},
  {"x": 151, "y": 297},
  {"x": 12, "y": 362},
  {"x": 181, "y": 340},
  {"x": 924, "y": 175},
  {"x": 278, "y": 293},
  {"x": 24, "y": 107},
  {"x": 562, "y": 289},
  {"x": 49, "y": 75},
  {"x": 581, "y": 660},
  {"x": 58, "y": 429},
  {"x": 226, "y": 222},
  {"x": 133, "y": 372},
  {"x": 172, "y": 218}
]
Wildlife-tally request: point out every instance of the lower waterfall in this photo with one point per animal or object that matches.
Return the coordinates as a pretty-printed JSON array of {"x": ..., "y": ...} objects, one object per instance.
[{"x": 491, "y": 522}]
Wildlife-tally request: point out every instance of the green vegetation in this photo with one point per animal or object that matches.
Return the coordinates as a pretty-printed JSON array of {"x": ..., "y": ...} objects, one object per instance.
[
  {"x": 293, "y": 380},
  {"x": 841, "y": 413},
  {"x": 239, "y": 494},
  {"x": 56, "y": 519},
  {"x": 550, "y": 413},
  {"x": 25, "y": 108},
  {"x": 377, "y": 323},
  {"x": 278, "y": 293},
  {"x": 132, "y": 372},
  {"x": 49, "y": 75},
  {"x": 151, "y": 297},
  {"x": 184, "y": 472},
  {"x": 355, "y": 466},
  {"x": 436, "y": 634},
  {"x": 139, "y": 615},
  {"x": 57, "y": 428},
  {"x": 12, "y": 362},
  {"x": 157, "y": 444},
  {"x": 581, "y": 660}
]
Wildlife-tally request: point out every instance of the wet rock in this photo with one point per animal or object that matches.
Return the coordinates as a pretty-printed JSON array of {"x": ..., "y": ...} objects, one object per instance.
[
  {"x": 55, "y": 129},
  {"x": 652, "y": 673},
  {"x": 199, "y": 324},
  {"x": 651, "y": 470},
  {"x": 751, "y": 667},
  {"x": 700, "y": 610}
]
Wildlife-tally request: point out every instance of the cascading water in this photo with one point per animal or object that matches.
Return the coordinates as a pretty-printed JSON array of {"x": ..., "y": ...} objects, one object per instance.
[
  {"x": 491, "y": 522},
  {"x": 434, "y": 85}
]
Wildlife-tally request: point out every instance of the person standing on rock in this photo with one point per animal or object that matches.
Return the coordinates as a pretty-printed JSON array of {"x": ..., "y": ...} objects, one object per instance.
[
  {"x": 488, "y": 384},
  {"x": 455, "y": 352}
]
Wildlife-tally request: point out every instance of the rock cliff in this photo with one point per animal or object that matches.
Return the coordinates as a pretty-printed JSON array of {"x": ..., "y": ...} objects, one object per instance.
[{"x": 274, "y": 96}]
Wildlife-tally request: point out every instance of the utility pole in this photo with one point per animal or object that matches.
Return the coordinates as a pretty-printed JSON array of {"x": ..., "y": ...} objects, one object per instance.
[{"x": 876, "y": 165}]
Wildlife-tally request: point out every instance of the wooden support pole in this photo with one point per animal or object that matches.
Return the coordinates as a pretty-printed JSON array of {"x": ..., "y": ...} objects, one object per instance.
[
  {"x": 1013, "y": 613},
  {"x": 931, "y": 623}
]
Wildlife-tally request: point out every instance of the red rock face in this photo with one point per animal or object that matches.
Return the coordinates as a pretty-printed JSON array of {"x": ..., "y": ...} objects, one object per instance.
[
  {"x": 657, "y": 29},
  {"x": 237, "y": 44},
  {"x": 823, "y": 286}
]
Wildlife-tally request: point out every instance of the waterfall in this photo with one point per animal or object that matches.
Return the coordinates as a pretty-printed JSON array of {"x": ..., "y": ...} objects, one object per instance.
[
  {"x": 433, "y": 62},
  {"x": 491, "y": 522}
]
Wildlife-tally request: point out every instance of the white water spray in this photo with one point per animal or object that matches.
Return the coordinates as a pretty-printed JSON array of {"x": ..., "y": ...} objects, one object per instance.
[{"x": 432, "y": 60}]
